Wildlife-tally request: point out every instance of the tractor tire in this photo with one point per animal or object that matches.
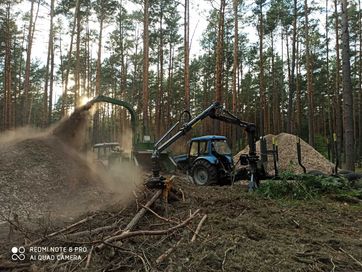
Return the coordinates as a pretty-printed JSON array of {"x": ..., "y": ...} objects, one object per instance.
[{"x": 204, "y": 173}]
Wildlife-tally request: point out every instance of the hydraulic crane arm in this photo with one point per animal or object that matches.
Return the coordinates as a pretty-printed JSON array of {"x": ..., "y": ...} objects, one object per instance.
[
  {"x": 159, "y": 146},
  {"x": 225, "y": 116},
  {"x": 214, "y": 111}
]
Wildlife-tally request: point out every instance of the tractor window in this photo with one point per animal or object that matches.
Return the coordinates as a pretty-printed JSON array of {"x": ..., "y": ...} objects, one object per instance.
[
  {"x": 194, "y": 149},
  {"x": 222, "y": 148},
  {"x": 203, "y": 148}
]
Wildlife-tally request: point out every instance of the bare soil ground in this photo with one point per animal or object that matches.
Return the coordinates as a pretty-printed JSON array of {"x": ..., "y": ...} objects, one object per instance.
[{"x": 242, "y": 232}]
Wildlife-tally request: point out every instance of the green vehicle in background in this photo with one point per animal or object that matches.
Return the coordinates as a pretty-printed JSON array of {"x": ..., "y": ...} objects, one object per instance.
[{"x": 141, "y": 151}]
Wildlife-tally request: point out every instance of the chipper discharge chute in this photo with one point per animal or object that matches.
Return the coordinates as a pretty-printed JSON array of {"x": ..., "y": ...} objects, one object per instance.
[{"x": 141, "y": 152}]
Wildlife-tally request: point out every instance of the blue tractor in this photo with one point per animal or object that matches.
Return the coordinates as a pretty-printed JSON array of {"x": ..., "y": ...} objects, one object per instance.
[{"x": 209, "y": 160}]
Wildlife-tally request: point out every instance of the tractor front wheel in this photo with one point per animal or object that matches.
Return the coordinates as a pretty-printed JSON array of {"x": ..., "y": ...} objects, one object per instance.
[{"x": 204, "y": 173}]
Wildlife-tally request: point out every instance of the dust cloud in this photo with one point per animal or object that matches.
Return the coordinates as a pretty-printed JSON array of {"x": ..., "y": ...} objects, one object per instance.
[
  {"x": 126, "y": 140},
  {"x": 42, "y": 172},
  {"x": 123, "y": 179},
  {"x": 72, "y": 130},
  {"x": 16, "y": 135}
]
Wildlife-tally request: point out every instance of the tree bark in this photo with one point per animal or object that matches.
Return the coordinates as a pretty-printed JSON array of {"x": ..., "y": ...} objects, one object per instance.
[
  {"x": 69, "y": 56},
  {"x": 51, "y": 75},
  {"x": 262, "y": 108},
  {"x": 347, "y": 92},
  {"x": 219, "y": 61},
  {"x": 48, "y": 75},
  {"x": 160, "y": 78},
  {"x": 7, "y": 84},
  {"x": 298, "y": 92},
  {"x": 310, "y": 91},
  {"x": 27, "y": 65},
  {"x": 97, "y": 117},
  {"x": 292, "y": 83},
  {"x": 360, "y": 81},
  {"x": 77, "y": 57},
  {"x": 145, "y": 68},
  {"x": 337, "y": 99},
  {"x": 235, "y": 69},
  {"x": 187, "y": 55}
]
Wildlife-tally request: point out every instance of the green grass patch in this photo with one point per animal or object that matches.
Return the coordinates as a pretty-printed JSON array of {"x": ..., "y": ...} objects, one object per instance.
[{"x": 302, "y": 187}]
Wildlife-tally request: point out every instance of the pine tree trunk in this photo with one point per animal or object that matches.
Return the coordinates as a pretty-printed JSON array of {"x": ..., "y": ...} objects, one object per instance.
[
  {"x": 187, "y": 53},
  {"x": 77, "y": 58},
  {"x": 169, "y": 86},
  {"x": 337, "y": 99},
  {"x": 145, "y": 99},
  {"x": 328, "y": 87},
  {"x": 347, "y": 92},
  {"x": 18, "y": 114},
  {"x": 160, "y": 79},
  {"x": 310, "y": 91},
  {"x": 7, "y": 84},
  {"x": 235, "y": 69},
  {"x": 360, "y": 81},
  {"x": 50, "y": 55},
  {"x": 298, "y": 92},
  {"x": 69, "y": 56},
  {"x": 275, "y": 105},
  {"x": 263, "y": 110},
  {"x": 51, "y": 75},
  {"x": 219, "y": 61},
  {"x": 292, "y": 83},
  {"x": 27, "y": 66},
  {"x": 97, "y": 117}
]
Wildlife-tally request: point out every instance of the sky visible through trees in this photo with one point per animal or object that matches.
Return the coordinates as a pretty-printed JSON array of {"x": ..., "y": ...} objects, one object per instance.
[{"x": 287, "y": 69}]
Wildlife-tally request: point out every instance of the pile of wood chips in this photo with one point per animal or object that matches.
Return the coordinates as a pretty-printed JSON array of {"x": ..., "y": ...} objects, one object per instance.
[{"x": 288, "y": 160}]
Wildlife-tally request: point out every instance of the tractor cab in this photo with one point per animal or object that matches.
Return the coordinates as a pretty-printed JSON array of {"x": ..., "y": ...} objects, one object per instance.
[
  {"x": 209, "y": 160},
  {"x": 108, "y": 154}
]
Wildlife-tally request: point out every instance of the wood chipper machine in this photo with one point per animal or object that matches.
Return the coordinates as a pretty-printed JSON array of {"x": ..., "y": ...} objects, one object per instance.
[{"x": 141, "y": 151}]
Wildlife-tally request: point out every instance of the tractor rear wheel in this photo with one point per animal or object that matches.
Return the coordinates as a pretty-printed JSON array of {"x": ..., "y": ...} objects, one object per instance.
[{"x": 204, "y": 173}]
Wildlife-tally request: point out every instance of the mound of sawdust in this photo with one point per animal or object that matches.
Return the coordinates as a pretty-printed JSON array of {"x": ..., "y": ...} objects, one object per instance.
[
  {"x": 46, "y": 174},
  {"x": 43, "y": 175},
  {"x": 288, "y": 159}
]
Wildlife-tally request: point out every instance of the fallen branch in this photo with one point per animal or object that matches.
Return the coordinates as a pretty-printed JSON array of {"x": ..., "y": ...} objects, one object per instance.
[
  {"x": 168, "y": 220},
  {"x": 198, "y": 228},
  {"x": 90, "y": 232},
  {"x": 89, "y": 257},
  {"x": 129, "y": 234},
  {"x": 225, "y": 254},
  {"x": 163, "y": 257},
  {"x": 96, "y": 230},
  {"x": 159, "y": 216},
  {"x": 141, "y": 213},
  {"x": 78, "y": 264},
  {"x": 183, "y": 195},
  {"x": 62, "y": 230},
  {"x": 132, "y": 253},
  {"x": 133, "y": 222},
  {"x": 334, "y": 266},
  {"x": 353, "y": 258}
]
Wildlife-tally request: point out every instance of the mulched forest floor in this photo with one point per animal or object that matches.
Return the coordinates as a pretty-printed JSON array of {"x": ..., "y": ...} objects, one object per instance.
[{"x": 242, "y": 232}]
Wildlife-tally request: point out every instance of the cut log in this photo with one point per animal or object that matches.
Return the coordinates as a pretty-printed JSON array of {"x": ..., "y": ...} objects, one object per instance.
[{"x": 134, "y": 220}]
